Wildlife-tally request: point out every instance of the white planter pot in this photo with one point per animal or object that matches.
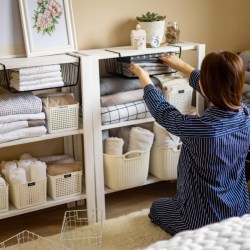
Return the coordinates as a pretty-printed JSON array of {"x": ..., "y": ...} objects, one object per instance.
[{"x": 152, "y": 29}]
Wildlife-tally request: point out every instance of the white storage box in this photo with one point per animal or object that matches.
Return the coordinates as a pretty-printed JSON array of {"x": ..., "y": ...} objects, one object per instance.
[
  {"x": 62, "y": 118},
  {"x": 29, "y": 194},
  {"x": 122, "y": 172},
  {"x": 4, "y": 198},
  {"x": 66, "y": 185},
  {"x": 80, "y": 233},
  {"x": 164, "y": 161}
]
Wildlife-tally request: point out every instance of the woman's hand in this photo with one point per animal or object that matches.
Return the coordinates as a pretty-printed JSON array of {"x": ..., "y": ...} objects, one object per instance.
[
  {"x": 178, "y": 64},
  {"x": 141, "y": 73}
]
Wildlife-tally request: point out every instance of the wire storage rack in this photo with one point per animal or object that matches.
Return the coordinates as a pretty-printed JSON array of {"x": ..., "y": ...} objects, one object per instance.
[
  {"x": 26, "y": 240},
  {"x": 70, "y": 77},
  {"x": 78, "y": 234}
]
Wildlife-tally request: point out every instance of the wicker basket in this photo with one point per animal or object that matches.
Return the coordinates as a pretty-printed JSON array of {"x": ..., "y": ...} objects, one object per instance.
[
  {"x": 62, "y": 118},
  {"x": 29, "y": 194},
  {"x": 164, "y": 161},
  {"x": 66, "y": 185},
  {"x": 4, "y": 198},
  {"x": 122, "y": 172}
]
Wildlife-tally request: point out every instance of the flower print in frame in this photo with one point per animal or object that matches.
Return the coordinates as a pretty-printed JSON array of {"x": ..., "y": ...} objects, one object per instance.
[{"x": 48, "y": 27}]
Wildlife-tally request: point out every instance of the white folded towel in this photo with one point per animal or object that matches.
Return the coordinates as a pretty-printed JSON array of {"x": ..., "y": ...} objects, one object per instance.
[
  {"x": 2, "y": 182},
  {"x": 26, "y": 165},
  {"x": 163, "y": 138},
  {"x": 15, "y": 76},
  {"x": 10, "y": 126},
  {"x": 6, "y": 167},
  {"x": 38, "y": 171},
  {"x": 38, "y": 70},
  {"x": 21, "y": 117},
  {"x": 113, "y": 146},
  {"x": 37, "y": 86},
  {"x": 17, "y": 176}
]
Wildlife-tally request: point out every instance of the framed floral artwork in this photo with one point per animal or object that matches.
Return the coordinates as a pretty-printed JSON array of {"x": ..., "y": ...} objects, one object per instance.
[{"x": 48, "y": 27}]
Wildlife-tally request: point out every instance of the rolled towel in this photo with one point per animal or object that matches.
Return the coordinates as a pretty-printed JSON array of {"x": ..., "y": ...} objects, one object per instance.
[
  {"x": 6, "y": 167},
  {"x": 113, "y": 146},
  {"x": 140, "y": 139},
  {"x": 63, "y": 168},
  {"x": 25, "y": 156},
  {"x": 2, "y": 182},
  {"x": 163, "y": 138},
  {"x": 38, "y": 171},
  {"x": 17, "y": 176},
  {"x": 26, "y": 164},
  {"x": 123, "y": 133}
]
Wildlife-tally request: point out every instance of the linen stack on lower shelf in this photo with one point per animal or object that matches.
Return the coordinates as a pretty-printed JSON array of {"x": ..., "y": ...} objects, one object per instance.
[
  {"x": 41, "y": 77},
  {"x": 122, "y": 100},
  {"x": 21, "y": 116}
]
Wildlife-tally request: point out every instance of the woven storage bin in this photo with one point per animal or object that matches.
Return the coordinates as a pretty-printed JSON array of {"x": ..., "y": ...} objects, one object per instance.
[
  {"x": 62, "y": 118},
  {"x": 164, "y": 161},
  {"x": 4, "y": 198},
  {"x": 122, "y": 172},
  {"x": 29, "y": 194},
  {"x": 66, "y": 185}
]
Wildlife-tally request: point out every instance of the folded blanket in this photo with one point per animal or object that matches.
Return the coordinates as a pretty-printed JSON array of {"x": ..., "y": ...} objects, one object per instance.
[
  {"x": 52, "y": 159},
  {"x": 14, "y": 82},
  {"x": 36, "y": 123},
  {"x": 21, "y": 117},
  {"x": 38, "y": 70},
  {"x": 23, "y": 133},
  {"x": 63, "y": 168},
  {"x": 7, "y": 127},
  {"x": 6, "y": 167},
  {"x": 122, "y": 97},
  {"x": 124, "y": 112},
  {"x": 19, "y": 103},
  {"x": 52, "y": 84},
  {"x": 25, "y": 78},
  {"x": 113, "y": 146}
]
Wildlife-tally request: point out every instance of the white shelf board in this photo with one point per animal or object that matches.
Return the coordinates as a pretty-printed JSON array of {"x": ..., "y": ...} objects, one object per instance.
[
  {"x": 151, "y": 179},
  {"x": 23, "y": 62},
  {"x": 50, "y": 203}
]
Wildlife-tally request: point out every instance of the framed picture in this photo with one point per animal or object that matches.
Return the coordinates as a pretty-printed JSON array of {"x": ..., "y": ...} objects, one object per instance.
[{"x": 48, "y": 27}]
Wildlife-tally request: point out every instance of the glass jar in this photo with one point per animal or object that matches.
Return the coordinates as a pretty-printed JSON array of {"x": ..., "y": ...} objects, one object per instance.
[{"x": 173, "y": 32}]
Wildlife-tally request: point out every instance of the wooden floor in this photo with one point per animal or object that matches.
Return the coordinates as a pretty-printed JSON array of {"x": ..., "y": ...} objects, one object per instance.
[{"x": 49, "y": 221}]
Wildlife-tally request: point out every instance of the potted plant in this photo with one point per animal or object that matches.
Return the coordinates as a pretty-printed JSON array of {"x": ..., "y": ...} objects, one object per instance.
[{"x": 153, "y": 24}]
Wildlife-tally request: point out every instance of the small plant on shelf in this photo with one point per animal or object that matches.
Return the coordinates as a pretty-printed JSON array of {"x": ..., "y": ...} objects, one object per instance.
[{"x": 150, "y": 17}]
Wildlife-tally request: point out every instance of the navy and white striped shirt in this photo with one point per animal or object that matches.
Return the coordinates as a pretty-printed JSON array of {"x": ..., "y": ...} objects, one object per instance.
[{"x": 211, "y": 183}]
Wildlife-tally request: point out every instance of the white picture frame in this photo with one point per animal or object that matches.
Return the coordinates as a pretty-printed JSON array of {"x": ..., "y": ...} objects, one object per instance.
[{"x": 48, "y": 27}]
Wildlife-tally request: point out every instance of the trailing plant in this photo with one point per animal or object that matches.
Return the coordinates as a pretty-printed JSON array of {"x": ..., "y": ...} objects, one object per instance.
[{"x": 150, "y": 17}]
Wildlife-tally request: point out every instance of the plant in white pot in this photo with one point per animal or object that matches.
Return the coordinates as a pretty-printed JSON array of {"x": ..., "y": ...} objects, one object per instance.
[{"x": 154, "y": 25}]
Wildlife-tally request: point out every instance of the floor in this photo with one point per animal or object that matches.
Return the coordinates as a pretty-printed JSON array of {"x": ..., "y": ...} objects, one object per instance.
[{"x": 48, "y": 221}]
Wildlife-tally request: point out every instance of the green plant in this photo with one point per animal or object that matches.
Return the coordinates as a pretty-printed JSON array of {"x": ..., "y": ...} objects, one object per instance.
[{"x": 150, "y": 17}]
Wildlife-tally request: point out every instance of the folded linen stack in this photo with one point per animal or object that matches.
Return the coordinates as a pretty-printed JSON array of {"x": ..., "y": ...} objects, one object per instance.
[
  {"x": 41, "y": 77},
  {"x": 21, "y": 116}
]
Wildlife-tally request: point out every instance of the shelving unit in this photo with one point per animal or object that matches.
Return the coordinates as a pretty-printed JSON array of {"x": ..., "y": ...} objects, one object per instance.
[
  {"x": 90, "y": 69},
  {"x": 77, "y": 143}
]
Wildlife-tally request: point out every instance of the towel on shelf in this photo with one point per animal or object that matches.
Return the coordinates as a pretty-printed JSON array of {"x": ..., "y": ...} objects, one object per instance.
[
  {"x": 36, "y": 123},
  {"x": 122, "y": 97},
  {"x": 163, "y": 138},
  {"x": 17, "y": 176},
  {"x": 2, "y": 182},
  {"x": 26, "y": 165},
  {"x": 21, "y": 117},
  {"x": 38, "y": 70},
  {"x": 113, "y": 146},
  {"x": 52, "y": 84},
  {"x": 34, "y": 83},
  {"x": 140, "y": 139},
  {"x": 38, "y": 171},
  {"x": 26, "y": 78},
  {"x": 6, "y": 166},
  {"x": 7, "y": 127},
  {"x": 20, "y": 103},
  {"x": 123, "y": 133},
  {"x": 52, "y": 159},
  {"x": 23, "y": 133},
  {"x": 63, "y": 168}
]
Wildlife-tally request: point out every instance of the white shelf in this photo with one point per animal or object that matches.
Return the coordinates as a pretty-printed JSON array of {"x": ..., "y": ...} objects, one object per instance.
[{"x": 50, "y": 203}]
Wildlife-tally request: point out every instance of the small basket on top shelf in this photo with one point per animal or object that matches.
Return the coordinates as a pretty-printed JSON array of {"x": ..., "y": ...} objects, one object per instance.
[{"x": 34, "y": 78}]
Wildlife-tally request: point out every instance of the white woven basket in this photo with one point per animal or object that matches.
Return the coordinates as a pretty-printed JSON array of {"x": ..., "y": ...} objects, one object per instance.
[
  {"x": 29, "y": 194},
  {"x": 164, "y": 161},
  {"x": 4, "y": 198},
  {"x": 62, "y": 118},
  {"x": 122, "y": 172},
  {"x": 66, "y": 185}
]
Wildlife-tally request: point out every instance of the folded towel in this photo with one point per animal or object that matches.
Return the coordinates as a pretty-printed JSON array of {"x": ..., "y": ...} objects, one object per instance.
[
  {"x": 21, "y": 117},
  {"x": 38, "y": 171},
  {"x": 140, "y": 139},
  {"x": 63, "y": 168},
  {"x": 6, "y": 167},
  {"x": 123, "y": 133},
  {"x": 14, "y": 82},
  {"x": 25, "y": 78},
  {"x": 51, "y": 159},
  {"x": 52, "y": 84},
  {"x": 26, "y": 165},
  {"x": 38, "y": 70},
  {"x": 113, "y": 146},
  {"x": 7, "y": 127},
  {"x": 17, "y": 176}
]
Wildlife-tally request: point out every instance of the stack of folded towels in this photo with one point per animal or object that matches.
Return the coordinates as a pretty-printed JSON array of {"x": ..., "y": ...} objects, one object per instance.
[
  {"x": 41, "y": 77},
  {"x": 21, "y": 116},
  {"x": 26, "y": 169}
]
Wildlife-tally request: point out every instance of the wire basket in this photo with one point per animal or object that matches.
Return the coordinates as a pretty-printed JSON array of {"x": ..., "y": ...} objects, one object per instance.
[
  {"x": 27, "y": 240},
  {"x": 70, "y": 77},
  {"x": 78, "y": 234}
]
